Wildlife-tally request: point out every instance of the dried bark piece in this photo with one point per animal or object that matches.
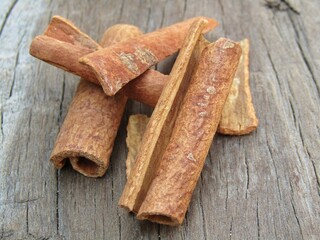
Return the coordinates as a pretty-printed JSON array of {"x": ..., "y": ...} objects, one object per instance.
[
  {"x": 170, "y": 192},
  {"x": 238, "y": 115},
  {"x": 64, "y": 30},
  {"x": 135, "y": 129},
  {"x": 161, "y": 123},
  {"x": 63, "y": 44},
  {"x": 88, "y": 132},
  {"x": 147, "y": 88},
  {"x": 117, "y": 65}
]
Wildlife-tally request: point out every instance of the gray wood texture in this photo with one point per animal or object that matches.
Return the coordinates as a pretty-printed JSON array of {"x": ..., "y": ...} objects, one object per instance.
[{"x": 262, "y": 186}]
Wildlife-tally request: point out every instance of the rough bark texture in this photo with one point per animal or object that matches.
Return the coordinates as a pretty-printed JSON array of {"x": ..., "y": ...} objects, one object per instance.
[
  {"x": 88, "y": 132},
  {"x": 63, "y": 44},
  {"x": 162, "y": 121},
  {"x": 264, "y": 185},
  {"x": 180, "y": 166},
  {"x": 117, "y": 65}
]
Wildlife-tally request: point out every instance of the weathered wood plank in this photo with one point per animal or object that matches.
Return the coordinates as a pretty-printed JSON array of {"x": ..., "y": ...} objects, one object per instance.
[{"x": 265, "y": 185}]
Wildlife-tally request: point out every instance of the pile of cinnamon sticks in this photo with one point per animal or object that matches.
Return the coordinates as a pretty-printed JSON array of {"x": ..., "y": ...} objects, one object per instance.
[{"x": 206, "y": 91}]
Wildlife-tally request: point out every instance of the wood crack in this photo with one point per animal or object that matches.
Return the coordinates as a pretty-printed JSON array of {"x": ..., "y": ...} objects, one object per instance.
[
  {"x": 202, "y": 211},
  {"x": 294, "y": 210},
  {"x": 257, "y": 218},
  {"x": 27, "y": 215},
  {"x": 247, "y": 173},
  {"x": 185, "y": 9},
  {"x": 275, "y": 168},
  {"x": 281, "y": 5},
  {"x": 159, "y": 231},
  {"x": 303, "y": 48},
  {"x": 121, "y": 11},
  {"x": 57, "y": 201},
  {"x": 293, "y": 112},
  {"x": 62, "y": 99},
  {"x": 271, "y": 61},
  {"x": 112, "y": 184},
  {"x": 222, "y": 11},
  {"x": 230, "y": 228},
  {"x": 1, "y": 127},
  {"x": 14, "y": 73},
  {"x": 7, "y": 16},
  {"x": 317, "y": 176}
]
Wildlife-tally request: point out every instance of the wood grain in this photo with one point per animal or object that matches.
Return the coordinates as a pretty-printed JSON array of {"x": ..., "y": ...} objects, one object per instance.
[{"x": 265, "y": 185}]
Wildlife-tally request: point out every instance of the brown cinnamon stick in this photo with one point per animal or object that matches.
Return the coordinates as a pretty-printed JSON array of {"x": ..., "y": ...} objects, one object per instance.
[
  {"x": 58, "y": 47},
  {"x": 178, "y": 152},
  {"x": 159, "y": 128},
  {"x": 117, "y": 65},
  {"x": 88, "y": 132},
  {"x": 238, "y": 115},
  {"x": 170, "y": 193}
]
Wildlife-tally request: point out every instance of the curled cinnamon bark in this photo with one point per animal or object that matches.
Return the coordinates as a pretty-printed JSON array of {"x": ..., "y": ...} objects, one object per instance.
[
  {"x": 117, "y": 65},
  {"x": 178, "y": 153},
  {"x": 162, "y": 120},
  {"x": 63, "y": 44},
  {"x": 169, "y": 194},
  {"x": 88, "y": 132}
]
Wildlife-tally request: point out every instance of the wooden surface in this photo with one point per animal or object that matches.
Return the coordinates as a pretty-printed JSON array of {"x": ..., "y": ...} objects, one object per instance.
[{"x": 262, "y": 186}]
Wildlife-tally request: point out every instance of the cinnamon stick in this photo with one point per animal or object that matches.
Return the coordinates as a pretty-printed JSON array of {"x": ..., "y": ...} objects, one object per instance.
[
  {"x": 135, "y": 129},
  {"x": 117, "y": 65},
  {"x": 238, "y": 115},
  {"x": 88, "y": 132},
  {"x": 170, "y": 193},
  {"x": 63, "y": 44},
  {"x": 177, "y": 139},
  {"x": 160, "y": 126}
]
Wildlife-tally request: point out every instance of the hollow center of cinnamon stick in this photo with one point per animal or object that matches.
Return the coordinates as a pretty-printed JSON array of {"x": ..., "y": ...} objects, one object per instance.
[{"x": 85, "y": 165}]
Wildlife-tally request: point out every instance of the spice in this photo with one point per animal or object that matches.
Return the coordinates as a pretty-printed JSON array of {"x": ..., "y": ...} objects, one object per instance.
[
  {"x": 87, "y": 135},
  {"x": 170, "y": 192},
  {"x": 117, "y": 65},
  {"x": 63, "y": 44},
  {"x": 135, "y": 129},
  {"x": 238, "y": 115},
  {"x": 161, "y": 123}
]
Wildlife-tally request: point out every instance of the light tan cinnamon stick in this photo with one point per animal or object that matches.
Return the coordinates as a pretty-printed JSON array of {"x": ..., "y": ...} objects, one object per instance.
[
  {"x": 135, "y": 129},
  {"x": 238, "y": 115},
  {"x": 159, "y": 128},
  {"x": 117, "y": 65},
  {"x": 88, "y": 132}
]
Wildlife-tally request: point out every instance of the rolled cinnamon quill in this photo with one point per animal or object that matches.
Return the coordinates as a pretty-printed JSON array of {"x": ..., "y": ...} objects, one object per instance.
[
  {"x": 62, "y": 44},
  {"x": 117, "y": 65},
  {"x": 162, "y": 120},
  {"x": 161, "y": 183},
  {"x": 170, "y": 193},
  {"x": 87, "y": 135}
]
